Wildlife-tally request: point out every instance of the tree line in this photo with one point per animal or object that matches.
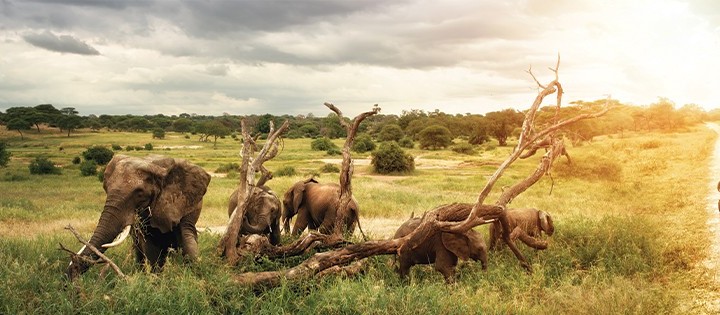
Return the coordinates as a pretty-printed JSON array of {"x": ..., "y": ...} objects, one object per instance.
[{"x": 410, "y": 124}]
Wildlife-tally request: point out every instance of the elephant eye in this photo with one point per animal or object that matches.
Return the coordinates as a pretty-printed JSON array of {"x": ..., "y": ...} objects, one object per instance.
[{"x": 139, "y": 192}]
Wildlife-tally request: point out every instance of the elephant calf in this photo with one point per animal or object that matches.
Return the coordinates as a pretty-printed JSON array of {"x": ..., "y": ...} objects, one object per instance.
[
  {"x": 527, "y": 225},
  {"x": 262, "y": 215},
  {"x": 316, "y": 207},
  {"x": 442, "y": 249}
]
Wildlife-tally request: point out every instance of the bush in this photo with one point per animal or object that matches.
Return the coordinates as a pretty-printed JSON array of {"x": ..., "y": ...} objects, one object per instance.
[
  {"x": 88, "y": 168},
  {"x": 129, "y": 148},
  {"x": 101, "y": 174},
  {"x": 435, "y": 137},
  {"x": 363, "y": 143},
  {"x": 390, "y": 132},
  {"x": 76, "y": 160},
  {"x": 329, "y": 168},
  {"x": 42, "y": 165},
  {"x": 285, "y": 171},
  {"x": 464, "y": 148},
  {"x": 334, "y": 151},
  {"x": 227, "y": 168},
  {"x": 4, "y": 155},
  {"x": 101, "y": 155},
  {"x": 158, "y": 133},
  {"x": 116, "y": 147},
  {"x": 187, "y": 136},
  {"x": 148, "y": 146},
  {"x": 390, "y": 158},
  {"x": 322, "y": 144},
  {"x": 406, "y": 142}
]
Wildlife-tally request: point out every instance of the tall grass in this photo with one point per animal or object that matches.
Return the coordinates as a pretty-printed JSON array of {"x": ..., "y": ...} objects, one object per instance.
[{"x": 630, "y": 235}]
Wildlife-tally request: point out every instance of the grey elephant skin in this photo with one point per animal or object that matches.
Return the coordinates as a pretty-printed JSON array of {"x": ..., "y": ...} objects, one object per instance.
[
  {"x": 262, "y": 215},
  {"x": 160, "y": 197},
  {"x": 442, "y": 249},
  {"x": 316, "y": 206},
  {"x": 526, "y": 224}
]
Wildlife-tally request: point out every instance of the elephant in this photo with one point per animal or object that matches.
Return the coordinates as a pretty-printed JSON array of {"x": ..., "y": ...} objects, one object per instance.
[
  {"x": 316, "y": 207},
  {"x": 262, "y": 215},
  {"x": 160, "y": 198},
  {"x": 442, "y": 249},
  {"x": 526, "y": 224},
  {"x": 718, "y": 188}
]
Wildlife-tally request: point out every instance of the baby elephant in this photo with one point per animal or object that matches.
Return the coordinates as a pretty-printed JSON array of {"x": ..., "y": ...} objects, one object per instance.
[
  {"x": 443, "y": 249},
  {"x": 525, "y": 224}
]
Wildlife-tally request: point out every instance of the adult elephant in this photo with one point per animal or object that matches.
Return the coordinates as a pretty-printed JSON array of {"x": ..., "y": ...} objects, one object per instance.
[
  {"x": 160, "y": 197},
  {"x": 316, "y": 206},
  {"x": 262, "y": 215}
]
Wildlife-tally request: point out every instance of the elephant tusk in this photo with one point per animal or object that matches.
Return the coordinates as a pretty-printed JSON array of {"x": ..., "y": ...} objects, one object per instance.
[
  {"x": 119, "y": 239},
  {"x": 78, "y": 253}
]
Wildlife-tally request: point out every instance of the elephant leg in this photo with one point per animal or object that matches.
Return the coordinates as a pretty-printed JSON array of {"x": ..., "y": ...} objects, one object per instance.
[
  {"x": 301, "y": 222},
  {"x": 156, "y": 255},
  {"x": 519, "y": 233},
  {"x": 275, "y": 232},
  {"x": 404, "y": 268},
  {"x": 483, "y": 259},
  {"x": 326, "y": 227},
  {"x": 445, "y": 263},
  {"x": 188, "y": 238},
  {"x": 138, "y": 246}
]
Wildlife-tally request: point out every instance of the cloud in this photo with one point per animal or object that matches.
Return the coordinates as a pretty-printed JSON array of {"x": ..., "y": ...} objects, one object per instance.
[{"x": 61, "y": 44}]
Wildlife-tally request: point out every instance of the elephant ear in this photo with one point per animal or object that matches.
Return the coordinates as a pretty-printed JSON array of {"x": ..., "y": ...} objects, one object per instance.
[
  {"x": 110, "y": 168},
  {"x": 298, "y": 193},
  {"x": 182, "y": 190},
  {"x": 546, "y": 223},
  {"x": 458, "y": 244}
]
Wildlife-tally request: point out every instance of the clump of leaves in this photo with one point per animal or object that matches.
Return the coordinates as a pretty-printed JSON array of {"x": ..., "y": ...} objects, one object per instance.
[
  {"x": 285, "y": 171},
  {"x": 391, "y": 158},
  {"x": 227, "y": 168},
  {"x": 88, "y": 168},
  {"x": 329, "y": 168},
  {"x": 42, "y": 165},
  {"x": 322, "y": 144},
  {"x": 101, "y": 155}
]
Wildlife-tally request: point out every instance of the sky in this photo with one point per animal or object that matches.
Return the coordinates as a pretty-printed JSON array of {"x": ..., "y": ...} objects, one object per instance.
[{"x": 289, "y": 57}]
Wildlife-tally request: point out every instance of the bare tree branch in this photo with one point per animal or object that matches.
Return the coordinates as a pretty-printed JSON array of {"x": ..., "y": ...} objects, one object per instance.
[{"x": 95, "y": 251}]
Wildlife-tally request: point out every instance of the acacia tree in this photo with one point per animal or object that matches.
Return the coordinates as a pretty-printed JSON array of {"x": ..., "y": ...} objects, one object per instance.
[{"x": 448, "y": 218}]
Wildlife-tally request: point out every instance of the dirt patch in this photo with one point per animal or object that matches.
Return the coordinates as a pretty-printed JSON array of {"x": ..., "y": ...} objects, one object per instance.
[
  {"x": 192, "y": 147},
  {"x": 220, "y": 175}
]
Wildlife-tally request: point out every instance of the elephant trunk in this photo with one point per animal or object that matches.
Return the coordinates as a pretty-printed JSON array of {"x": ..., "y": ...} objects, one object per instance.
[
  {"x": 111, "y": 224},
  {"x": 253, "y": 229}
]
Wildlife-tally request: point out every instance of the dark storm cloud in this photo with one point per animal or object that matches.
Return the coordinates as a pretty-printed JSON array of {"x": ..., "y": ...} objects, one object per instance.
[{"x": 62, "y": 43}]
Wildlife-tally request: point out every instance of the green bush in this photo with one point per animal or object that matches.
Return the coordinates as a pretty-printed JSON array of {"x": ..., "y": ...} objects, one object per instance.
[
  {"x": 464, "y": 148},
  {"x": 4, "y": 155},
  {"x": 76, "y": 160},
  {"x": 129, "y": 148},
  {"x": 101, "y": 174},
  {"x": 116, "y": 147},
  {"x": 227, "y": 168},
  {"x": 363, "y": 143},
  {"x": 329, "y": 168},
  {"x": 334, "y": 151},
  {"x": 435, "y": 137},
  {"x": 158, "y": 133},
  {"x": 42, "y": 165},
  {"x": 88, "y": 168},
  {"x": 390, "y": 158},
  {"x": 101, "y": 155},
  {"x": 285, "y": 171},
  {"x": 187, "y": 136},
  {"x": 391, "y": 132},
  {"x": 148, "y": 146},
  {"x": 322, "y": 144},
  {"x": 406, "y": 142}
]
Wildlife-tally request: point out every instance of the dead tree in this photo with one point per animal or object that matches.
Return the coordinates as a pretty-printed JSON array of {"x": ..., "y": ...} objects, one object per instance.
[
  {"x": 454, "y": 218},
  {"x": 228, "y": 246}
]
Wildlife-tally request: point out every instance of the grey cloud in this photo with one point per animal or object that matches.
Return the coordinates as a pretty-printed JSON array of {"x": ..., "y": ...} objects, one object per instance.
[{"x": 62, "y": 43}]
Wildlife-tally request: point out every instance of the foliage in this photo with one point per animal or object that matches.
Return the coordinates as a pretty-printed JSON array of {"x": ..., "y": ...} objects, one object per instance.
[
  {"x": 116, "y": 147},
  {"x": 42, "y": 165},
  {"x": 101, "y": 155},
  {"x": 158, "y": 133},
  {"x": 285, "y": 171},
  {"x": 390, "y": 158},
  {"x": 363, "y": 143},
  {"x": 148, "y": 146},
  {"x": 88, "y": 168},
  {"x": 76, "y": 160},
  {"x": 4, "y": 154},
  {"x": 101, "y": 174},
  {"x": 464, "y": 148},
  {"x": 435, "y": 137},
  {"x": 391, "y": 132},
  {"x": 406, "y": 142},
  {"x": 182, "y": 125},
  {"x": 329, "y": 168},
  {"x": 322, "y": 144},
  {"x": 18, "y": 124},
  {"x": 226, "y": 168},
  {"x": 333, "y": 151},
  {"x": 502, "y": 123},
  {"x": 212, "y": 128}
]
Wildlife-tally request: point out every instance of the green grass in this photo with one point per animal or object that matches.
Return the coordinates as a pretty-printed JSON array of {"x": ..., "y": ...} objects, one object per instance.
[{"x": 629, "y": 212}]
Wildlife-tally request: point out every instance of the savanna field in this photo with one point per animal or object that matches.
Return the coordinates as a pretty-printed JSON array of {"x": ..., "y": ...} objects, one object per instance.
[{"x": 630, "y": 219}]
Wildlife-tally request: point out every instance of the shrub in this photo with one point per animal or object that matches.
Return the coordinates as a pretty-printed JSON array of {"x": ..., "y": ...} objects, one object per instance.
[
  {"x": 42, "y": 165},
  {"x": 116, "y": 147},
  {"x": 363, "y": 143},
  {"x": 88, "y": 168},
  {"x": 101, "y": 155},
  {"x": 390, "y": 158},
  {"x": 101, "y": 174},
  {"x": 464, "y": 148},
  {"x": 334, "y": 151},
  {"x": 129, "y": 148},
  {"x": 406, "y": 142},
  {"x": 138, "y": 148},
  {"x": 227, "y": 168},
  {"x": 187, "y": 136},
  {"x": 148, "y": 146},
  {"x": 435, "y": 137},
  {"x": 390, "y": 132},
  {"x": 76, "y": 160},
  {"x": 322, "y": 144},
  {"x": 4, "y": 155},
  {"x": 285, "y": 171},
  {"x": 329, "y": 168},
  {"x": 158, "y": 133}
]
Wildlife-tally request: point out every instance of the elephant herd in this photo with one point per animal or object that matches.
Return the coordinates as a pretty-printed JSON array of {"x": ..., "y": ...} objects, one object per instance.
[{"x": 157, "y": 200}]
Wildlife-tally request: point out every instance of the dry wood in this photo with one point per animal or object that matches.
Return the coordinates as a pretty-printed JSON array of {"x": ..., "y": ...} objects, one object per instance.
[
  {"x": 102, "y": 258},
  {"x": 228, "y": 246}
]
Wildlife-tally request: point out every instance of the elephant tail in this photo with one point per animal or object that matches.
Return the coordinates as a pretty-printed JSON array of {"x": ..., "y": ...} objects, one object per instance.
[{"x": 357, "y": 218}]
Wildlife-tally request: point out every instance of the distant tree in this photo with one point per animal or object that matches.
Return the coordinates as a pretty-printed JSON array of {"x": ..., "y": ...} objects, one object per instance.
[
  {"x": 331, "y": 127},
  {"x": 19, "y": 125},
  {"x": 158, "y": 133},
  {"x": 363, "y": 143},
  {"x": 69, "y": 123},
  {"x": 69, "y": 111},
  {"x": 4, "y": 155},
  {"x": 49, "y": 114},
  {"x": 502, "y": 123},
  {"x": 309, "y": 130},
  {"x": 94, "y": 124},
  {"x": 662, "y": 115},
  {"x": 692, "y": 114},
  {"x": 409, "y": 116},
  {"x": 29, "y": 114},
  {"x": 140, "y": 124},
  {"x": 215, "y": 129},
  {"x": 264, "y": 123},
  {"x": 390, "y": 158},
  {"x": 182, "y": 125},
  {"x": 435, "y": 137},
  {"x": 391, "y": 132}
]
